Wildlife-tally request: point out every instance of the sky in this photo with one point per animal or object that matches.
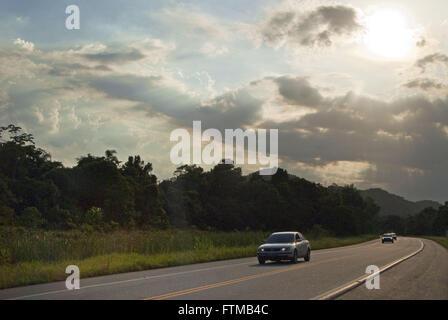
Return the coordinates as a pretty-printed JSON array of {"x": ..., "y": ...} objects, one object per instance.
[{"x": 357, "y": 89}]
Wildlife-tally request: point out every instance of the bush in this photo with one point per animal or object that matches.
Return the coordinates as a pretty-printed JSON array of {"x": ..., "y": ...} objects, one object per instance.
[
  {"x": 31, "y": 218},
  {"x": 5, "y": 256},
  {"x": 94, "y": 216},
  {"x": 60, "y": 219},
  {"x": 318, "y": 232},
  {"x": 7, "y": 216}
]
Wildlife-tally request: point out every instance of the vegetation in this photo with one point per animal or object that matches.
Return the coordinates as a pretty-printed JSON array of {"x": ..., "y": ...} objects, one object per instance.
[
  {"x": 102, "y": 194},
  {"x": 440, "y": 240},
  {"x": 430, "y": 221},
  {"x": 24, "y": 245},
  {"x": 29, "y": 257}
]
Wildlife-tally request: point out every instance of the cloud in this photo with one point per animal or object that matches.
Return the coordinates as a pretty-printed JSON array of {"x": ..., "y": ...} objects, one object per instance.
[
  {"x": 425, "y": 84},
  {"x": 15, "y": 65},
  {"x": 46, "y": 93},
  {"x": 154, "y": 50},
  {"x": 148, "y": 50},
  {"x": 26, "y": 45},
  {"x": 99, "y": 58},
  {"x": 318, "y": 27},
  {"x": 213, "y": 50},
  {"x": 115, "y": 57},
  {"x": 401, "y": 145},
  {"x": 430, "y": 59},
  {"x": 298, "y": 91},
  {"x": 67, "y": 69},
  {"x": 159, "y": 96},
  {"x": 191, "y": 22}
]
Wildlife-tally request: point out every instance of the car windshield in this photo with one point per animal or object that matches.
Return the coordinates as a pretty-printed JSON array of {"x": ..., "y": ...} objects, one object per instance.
[{"x": 281, "y": 238}]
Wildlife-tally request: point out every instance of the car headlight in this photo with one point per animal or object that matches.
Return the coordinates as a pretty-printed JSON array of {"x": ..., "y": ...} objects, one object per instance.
[
  {"x": 262, "y": 250},
  {"x": 285, "y": 249}
]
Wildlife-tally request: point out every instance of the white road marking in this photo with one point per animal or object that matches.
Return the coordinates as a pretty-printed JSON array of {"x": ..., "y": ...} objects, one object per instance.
[
  {"x": 128, "y": 280},
  {"x": 331, "y": 294}
]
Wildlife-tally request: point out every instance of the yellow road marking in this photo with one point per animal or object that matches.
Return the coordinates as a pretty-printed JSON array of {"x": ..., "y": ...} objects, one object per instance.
[{"x": 229, "y": 282}]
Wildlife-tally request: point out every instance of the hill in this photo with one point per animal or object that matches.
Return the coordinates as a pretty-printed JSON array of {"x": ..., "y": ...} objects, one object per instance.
[{"x": 392, "y": 204}]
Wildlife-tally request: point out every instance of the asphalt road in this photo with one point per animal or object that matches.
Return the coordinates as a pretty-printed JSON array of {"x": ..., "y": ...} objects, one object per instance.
[{"x": 424, "y": 276}]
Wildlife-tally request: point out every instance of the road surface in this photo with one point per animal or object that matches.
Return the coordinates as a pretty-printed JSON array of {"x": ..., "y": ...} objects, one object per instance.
[{"x": 423, "y": 276}]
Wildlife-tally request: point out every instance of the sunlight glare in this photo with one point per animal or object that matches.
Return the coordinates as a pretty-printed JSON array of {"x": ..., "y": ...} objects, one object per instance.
[{"x": 388, "y": 35}]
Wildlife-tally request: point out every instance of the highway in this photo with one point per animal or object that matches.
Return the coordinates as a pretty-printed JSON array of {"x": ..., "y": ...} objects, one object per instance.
[{"x": 422, "y": 276}]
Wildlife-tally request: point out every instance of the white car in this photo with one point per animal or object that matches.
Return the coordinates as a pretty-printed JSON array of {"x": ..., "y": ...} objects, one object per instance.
[
  {"x": 387, "y": 237},
  {"x": 284, "y": 246}
]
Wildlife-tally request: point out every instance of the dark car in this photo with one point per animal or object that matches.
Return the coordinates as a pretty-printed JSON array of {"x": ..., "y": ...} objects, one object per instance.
[{"x": 284, "y": 246}]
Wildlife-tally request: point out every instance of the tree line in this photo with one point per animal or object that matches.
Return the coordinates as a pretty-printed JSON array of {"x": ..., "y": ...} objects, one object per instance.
[
  {"x": 102, "y": 193},
  {"x": 429, "y": 221}
]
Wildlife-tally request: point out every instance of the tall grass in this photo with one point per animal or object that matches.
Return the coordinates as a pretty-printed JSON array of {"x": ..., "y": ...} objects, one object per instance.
[
  {"x": 440, "y": 240},
  {"x": 21, "y": 245},
  {"x": 332, "y": 242},
  {"x": 29, "y": 257}
]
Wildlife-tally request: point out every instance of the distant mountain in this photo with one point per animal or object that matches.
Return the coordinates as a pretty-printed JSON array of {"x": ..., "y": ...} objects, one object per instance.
[{"x": 392, "y": 204}]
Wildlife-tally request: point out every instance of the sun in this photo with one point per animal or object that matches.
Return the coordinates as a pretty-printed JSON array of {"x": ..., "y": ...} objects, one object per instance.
[{"x": 388, "y": 34}]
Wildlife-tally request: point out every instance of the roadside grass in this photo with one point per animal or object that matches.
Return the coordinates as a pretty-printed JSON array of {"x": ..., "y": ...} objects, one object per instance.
[
  {"x": 332, "y": 242},
  {"x": 31, "y": 257},
  {"x": 27, "y": 273},
  {"x": 440, "y": 240}
]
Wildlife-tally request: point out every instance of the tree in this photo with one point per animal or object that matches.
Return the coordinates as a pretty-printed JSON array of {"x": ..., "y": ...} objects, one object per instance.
[
  {"x": 440, "y": 226},
  {"x": 148, "y": 203},
  {"x": 7, "y": 216},
  {"x": 99, "y": 183},
  {"x": 31, "y": 218}
]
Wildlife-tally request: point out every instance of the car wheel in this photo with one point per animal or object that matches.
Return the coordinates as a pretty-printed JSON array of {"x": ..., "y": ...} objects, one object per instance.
[
  {"x": 308, "y": 255},
  {"x": 261, "y": 261},
  {"x": 294, "y": 257}
]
